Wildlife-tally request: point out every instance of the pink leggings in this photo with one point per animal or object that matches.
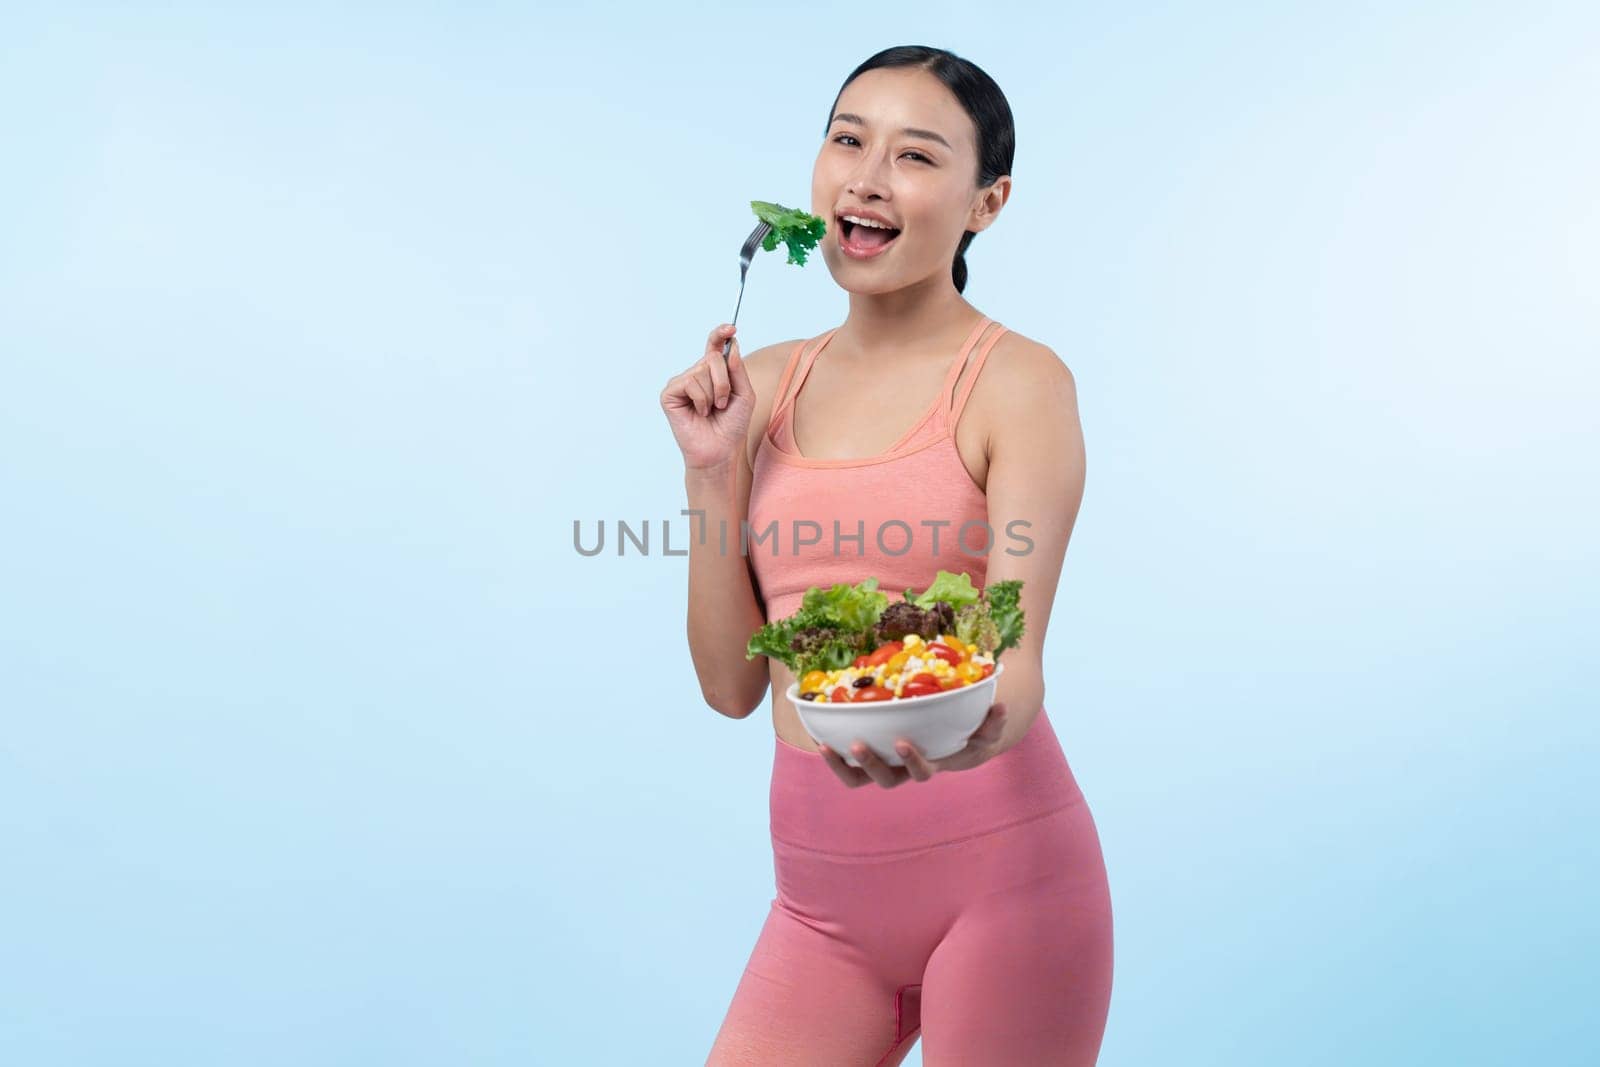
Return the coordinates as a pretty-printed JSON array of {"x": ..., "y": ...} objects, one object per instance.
[{"x": 971, "y": 910}]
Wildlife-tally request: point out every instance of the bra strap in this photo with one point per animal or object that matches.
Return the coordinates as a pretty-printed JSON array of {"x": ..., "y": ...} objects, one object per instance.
[
  {"x": 783, "y": 382},
  {"x": 946, "y": 394},
  {"x": 803, "y": 368},
  {"x": 977, "y": 368}
]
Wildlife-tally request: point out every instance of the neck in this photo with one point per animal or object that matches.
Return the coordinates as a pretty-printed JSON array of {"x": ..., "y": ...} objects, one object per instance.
[{"x": 909, "y": 319}]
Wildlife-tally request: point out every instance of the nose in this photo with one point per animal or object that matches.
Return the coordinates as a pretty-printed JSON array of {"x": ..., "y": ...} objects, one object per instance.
[
  {"x": 868, "y": 174},
  {"x": 865, "y": 186}
]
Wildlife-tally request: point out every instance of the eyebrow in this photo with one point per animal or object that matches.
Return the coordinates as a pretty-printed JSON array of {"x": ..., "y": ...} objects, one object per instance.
[{"x": 845, "y": 116}]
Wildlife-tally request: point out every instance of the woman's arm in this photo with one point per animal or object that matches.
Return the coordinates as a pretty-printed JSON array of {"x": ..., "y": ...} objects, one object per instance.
[
  {"x": 723, "y": 609},
  {"x": 1035, "y": 480},
  {"x": 724, "y": 606}
]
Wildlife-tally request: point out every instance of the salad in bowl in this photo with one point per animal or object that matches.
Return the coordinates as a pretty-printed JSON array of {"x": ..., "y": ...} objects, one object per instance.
[{"x": 923, "y": 667}]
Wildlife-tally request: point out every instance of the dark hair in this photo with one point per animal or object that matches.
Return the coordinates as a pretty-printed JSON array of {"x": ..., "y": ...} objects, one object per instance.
[{"x": 984, "y": 103}]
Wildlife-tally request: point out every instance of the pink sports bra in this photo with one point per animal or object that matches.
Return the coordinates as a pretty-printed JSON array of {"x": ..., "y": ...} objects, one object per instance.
[{"x": 902, "y": 515}]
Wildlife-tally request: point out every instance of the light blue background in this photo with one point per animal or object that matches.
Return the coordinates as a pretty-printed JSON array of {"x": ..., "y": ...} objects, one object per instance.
[{"x": 318, "y": 329}]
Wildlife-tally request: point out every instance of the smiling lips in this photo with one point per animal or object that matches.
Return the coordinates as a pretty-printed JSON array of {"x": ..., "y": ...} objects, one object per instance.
[{"x": 864, "y": 242}]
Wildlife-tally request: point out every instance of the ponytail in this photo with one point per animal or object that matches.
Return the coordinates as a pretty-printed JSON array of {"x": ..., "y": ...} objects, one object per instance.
[{"x": 958, "y": 269}]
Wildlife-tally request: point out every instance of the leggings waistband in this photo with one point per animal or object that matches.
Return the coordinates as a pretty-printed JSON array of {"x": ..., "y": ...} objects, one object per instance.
[{"x": 811, "y": 808}]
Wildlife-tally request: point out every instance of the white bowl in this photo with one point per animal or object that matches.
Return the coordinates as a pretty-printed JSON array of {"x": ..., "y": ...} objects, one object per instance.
[{"x": 940, "y": 724}]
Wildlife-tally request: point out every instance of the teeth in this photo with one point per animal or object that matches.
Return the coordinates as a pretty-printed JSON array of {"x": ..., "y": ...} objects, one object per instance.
[{"x": 866, "y": 222}]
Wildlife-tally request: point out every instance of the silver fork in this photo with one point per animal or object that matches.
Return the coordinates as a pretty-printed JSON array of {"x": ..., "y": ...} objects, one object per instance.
[{"x": 746, "y": 254}]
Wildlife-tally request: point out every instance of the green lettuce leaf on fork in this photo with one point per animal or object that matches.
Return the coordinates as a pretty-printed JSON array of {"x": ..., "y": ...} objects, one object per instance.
[{"x": 798, "y": 229}]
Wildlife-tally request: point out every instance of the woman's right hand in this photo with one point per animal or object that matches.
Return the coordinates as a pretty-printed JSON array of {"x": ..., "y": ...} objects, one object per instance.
[{"x": 710, "y": 404}]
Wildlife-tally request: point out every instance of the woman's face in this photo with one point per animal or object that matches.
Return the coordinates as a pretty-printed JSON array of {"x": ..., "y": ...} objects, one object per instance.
[{"x": 923, "y": 182}]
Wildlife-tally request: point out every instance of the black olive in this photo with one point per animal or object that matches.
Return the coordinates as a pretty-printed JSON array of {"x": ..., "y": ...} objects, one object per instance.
[
  {"x": 808, "y": 696},
  {"x": 864, "y": 681}
]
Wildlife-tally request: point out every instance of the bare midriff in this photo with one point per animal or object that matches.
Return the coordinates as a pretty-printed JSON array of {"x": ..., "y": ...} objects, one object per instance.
[{"x": 785, "y": 719}]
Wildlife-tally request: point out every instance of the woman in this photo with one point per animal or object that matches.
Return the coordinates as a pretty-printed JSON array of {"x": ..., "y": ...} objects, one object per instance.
[{"x": 961, "y": 899}]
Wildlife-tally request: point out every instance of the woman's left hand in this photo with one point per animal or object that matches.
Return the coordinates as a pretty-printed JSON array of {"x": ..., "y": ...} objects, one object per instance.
[{"x": 980, "y": 747}]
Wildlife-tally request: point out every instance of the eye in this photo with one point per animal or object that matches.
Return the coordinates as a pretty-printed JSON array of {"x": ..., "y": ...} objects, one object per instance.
[{"x": 843, "y": 136}]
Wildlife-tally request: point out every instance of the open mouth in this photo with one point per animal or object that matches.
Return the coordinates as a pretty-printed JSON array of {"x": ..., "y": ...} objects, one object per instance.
[{"x": 865, "y": 240}]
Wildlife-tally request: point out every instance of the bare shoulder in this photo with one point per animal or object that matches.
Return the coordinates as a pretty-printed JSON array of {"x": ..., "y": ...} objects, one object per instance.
[
  {"x": 765, "y": 366},
  {"x": 1027, "y": 409},
  {"x": 1022, "y": 370}
]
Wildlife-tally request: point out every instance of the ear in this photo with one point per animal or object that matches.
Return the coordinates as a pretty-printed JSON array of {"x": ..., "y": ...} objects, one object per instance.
[{"x": 989, "y": 203}]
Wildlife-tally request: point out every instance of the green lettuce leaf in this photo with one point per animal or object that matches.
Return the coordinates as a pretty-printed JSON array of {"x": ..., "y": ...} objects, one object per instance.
[
  {"x": 956, "y": 590},
  {"x": 844, "y": 606},
  {"x": 797, "y": 229},
  {"x": 808, "y": 636},
  {"x": 975, "y": 626},
  {"x": 774, "y": 640},
  {"x": 1005, "y": 607},
  {"x": 823, "y": 649}
]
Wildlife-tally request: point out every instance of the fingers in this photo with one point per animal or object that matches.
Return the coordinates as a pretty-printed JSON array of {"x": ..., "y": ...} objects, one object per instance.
[
  {"x": 685, "y": 390},
  {"x": 980, "y": 746},
  {"x": 738, "y": 380},
  {"x": 709, "y": 383},
  {"x": 850, "y": 776},
  {"x": 876, "y": 769},
  {"x": 916, "y": 764},
  {"x": 697, "y": 390},
  {"x": 718, "y": 367},
  {"x": 716, "y": 337},
  {"x": 982, "y": 741},
  {"x": 992, "y": 726}
]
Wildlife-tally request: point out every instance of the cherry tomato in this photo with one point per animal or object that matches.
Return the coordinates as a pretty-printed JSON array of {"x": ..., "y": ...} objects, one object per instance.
[
  {"x": 988, "y": 669},
  {"x": 873, "y": 692},
  {"x": 946, "y": 653},
  {"x": 923, "y": 678},
  {"x": 861, "y": 661},
  {"x": 840, "y": 695},
  {"x": 920, "y": 689},
  {"x": 881, "y": 655}
]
